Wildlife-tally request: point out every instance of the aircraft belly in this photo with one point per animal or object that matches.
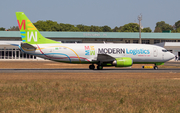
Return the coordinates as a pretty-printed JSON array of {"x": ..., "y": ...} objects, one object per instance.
[{"x": 147, "y": 60}]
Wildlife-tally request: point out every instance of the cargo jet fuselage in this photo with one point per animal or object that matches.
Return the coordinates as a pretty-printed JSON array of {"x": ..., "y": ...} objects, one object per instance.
[{"x": 107, "y": 54}]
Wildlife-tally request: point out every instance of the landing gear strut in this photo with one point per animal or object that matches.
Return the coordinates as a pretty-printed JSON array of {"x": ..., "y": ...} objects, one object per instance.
[
  {"x": 99, "y": 67},
  {"x": 91, "y": 66}
]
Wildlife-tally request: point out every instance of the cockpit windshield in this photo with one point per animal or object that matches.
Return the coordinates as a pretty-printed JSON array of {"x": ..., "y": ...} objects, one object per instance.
[{"x": 164, "y": 50}]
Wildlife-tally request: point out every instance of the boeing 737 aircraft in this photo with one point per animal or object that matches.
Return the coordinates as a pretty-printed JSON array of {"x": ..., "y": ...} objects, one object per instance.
[{"x": 118, "y": 55}]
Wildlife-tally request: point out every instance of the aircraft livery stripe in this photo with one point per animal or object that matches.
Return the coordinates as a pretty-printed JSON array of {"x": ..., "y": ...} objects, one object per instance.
[
  {"x": 22, "y": 32},
  {"x": 71, "y": 50},
  {"x": 48, "y": 54},
  {"x": 53, "y": 53}
]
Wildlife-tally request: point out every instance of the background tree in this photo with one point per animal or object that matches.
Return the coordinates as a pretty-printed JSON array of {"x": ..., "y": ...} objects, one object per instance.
[
  {"x": 177, "y": 24},
  {"x": 178, "y": 30},
  {"x": 177, "y": 27},
  {"x": 2, "y": 29},
  {"x": 147, "y": 29},
  {"x": 14, "y": 28},
  {"x": 116, "y": 29},
  {"x": 163, "y": 26},
  {"x": 106, "y": 28},
  {"x": 95, "y": 29},
  {"x": 158, "y": 29},
  {"x": 50, "y": 25},
  {"x": 47, "y": 25},
  {"x": 67, "y": 27},
  {"x": 131, "y": 27},
  {"x": 83, "y": 27}
]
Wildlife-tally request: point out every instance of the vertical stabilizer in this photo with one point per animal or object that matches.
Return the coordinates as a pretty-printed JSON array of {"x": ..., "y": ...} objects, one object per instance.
[{"x": 29, "y": 33}]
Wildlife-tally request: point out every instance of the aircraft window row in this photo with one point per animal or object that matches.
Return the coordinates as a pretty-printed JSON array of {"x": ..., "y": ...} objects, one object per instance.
[{"x": 164, "y": 50}]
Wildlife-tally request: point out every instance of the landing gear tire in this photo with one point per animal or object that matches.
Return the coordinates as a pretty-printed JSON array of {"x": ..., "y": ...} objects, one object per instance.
[
  {"x": 99, "y": 67},
  {"x": 155, "y": 67},
  {"x": 91, "y": 67}
]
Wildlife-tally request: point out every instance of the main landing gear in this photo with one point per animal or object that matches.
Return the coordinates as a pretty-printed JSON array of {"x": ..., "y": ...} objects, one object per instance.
[
  {"x": 92, "y": 67},
  {"x": 99, "y": 67}
]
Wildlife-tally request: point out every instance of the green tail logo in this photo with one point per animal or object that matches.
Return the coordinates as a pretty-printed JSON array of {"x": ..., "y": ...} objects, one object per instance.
[{"x": 29, "y": 33}]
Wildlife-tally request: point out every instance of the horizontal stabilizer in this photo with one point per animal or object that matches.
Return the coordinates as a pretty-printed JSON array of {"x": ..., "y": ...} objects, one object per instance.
[{"x": 26, "y": 45}]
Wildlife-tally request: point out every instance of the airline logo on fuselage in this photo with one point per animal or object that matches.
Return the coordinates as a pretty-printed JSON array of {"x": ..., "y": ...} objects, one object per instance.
[
  {"x": 123, "y": 51},
  {"x": 111, "y": 50},
  {"x": 89, "y": 50},
  {"x": 137, "y": 51}
]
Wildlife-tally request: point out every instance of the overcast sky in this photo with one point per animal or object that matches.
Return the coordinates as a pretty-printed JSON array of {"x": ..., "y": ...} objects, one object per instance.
[{"x": 91, "y": 12}]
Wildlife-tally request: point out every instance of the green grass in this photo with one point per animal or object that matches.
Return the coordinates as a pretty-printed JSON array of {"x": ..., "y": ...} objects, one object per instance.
[{"x": 91, "y": 94}]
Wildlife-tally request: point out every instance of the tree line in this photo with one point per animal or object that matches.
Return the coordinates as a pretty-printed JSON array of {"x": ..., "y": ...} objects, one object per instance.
[{"x": 50, "y": 25}]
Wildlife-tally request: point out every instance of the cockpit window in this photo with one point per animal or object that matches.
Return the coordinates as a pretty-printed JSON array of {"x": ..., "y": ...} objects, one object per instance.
[{"x": 164, "y": 50}]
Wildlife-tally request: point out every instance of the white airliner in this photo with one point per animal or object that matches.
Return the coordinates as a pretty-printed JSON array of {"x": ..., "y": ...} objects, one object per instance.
[{"x": 119, "y": 55}]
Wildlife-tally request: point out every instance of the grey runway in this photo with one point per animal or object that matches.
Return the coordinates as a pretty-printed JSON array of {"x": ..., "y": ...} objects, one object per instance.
[
  {"x": 84, "y": 70},
  {"x": 105, "y": 70}
]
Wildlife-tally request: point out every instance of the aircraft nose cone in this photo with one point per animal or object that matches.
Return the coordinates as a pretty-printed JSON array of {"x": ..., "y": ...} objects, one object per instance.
[{"x": 171, "y": 56}]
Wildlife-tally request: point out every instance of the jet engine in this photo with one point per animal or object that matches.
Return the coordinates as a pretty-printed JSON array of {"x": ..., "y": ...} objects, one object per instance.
[{"x": 122, "y": 62}]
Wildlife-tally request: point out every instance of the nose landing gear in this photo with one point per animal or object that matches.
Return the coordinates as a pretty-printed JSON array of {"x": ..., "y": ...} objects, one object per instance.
[{"x": 155, "y": 67}]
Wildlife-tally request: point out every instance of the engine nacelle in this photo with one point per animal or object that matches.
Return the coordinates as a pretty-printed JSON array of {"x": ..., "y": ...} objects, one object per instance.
[{"x": 123, "y": 62}]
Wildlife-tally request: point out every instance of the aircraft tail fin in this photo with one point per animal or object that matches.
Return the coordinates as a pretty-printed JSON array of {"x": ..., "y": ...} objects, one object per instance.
[{"x": 29, "y": 33}]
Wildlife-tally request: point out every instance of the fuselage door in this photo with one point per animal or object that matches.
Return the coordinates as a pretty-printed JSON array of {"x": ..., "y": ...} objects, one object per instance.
[{"x": 155, "y": 51}]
